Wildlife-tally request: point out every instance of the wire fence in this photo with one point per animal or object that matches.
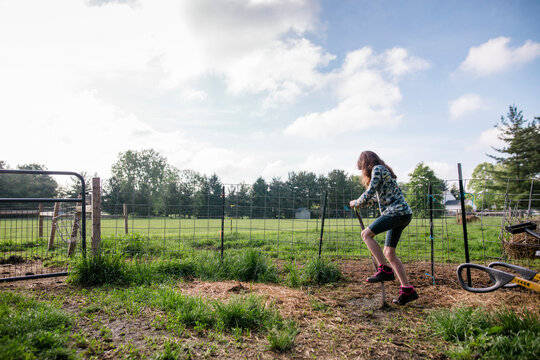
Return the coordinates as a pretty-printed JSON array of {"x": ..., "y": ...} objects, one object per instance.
[{"x": 285, "y": 224}]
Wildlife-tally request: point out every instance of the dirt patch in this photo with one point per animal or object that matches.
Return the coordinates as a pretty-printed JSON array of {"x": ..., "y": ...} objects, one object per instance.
[
  {"x": 13, "y": 259},
  {"x": 341, "y": 320}
]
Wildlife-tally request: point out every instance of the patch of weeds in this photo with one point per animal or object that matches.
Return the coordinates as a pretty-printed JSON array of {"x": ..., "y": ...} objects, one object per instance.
[
  {"x": 105, "y": 333},
  {"x": 318, "y": 305},
  {"x": 281, "y": 338},
  {"x": 31, "y": 329},
  {"x": 319, "y": 271},
  {"x": 211, "y": 267},
  {"x": 252, "y": 265},
  {"x": 173, "y": 351},
  {"x": 55, "y": 263},
  {"x": 476, "y": 333},
  {"x": 293, "y": 278},
  {"x": 99, "y": 269},
  {"x": 245, "y": 312},
  {"x": 90, "y": 309}
]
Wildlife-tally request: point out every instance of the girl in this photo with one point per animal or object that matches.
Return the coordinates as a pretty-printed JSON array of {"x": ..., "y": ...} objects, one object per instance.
[{"x": 380, "y": 181}]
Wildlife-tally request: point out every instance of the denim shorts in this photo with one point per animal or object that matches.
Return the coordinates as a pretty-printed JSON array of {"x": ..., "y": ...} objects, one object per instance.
[{"x": 393, "y": 224}]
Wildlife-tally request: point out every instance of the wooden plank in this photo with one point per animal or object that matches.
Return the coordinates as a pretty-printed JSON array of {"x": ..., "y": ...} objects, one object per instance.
[
  {"x": 53, "y": 225},
  {"x": 126, "y": 219}
]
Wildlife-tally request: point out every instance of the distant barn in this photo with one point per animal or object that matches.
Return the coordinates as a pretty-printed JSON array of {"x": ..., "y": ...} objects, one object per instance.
[{"x": 302, "y": 213}]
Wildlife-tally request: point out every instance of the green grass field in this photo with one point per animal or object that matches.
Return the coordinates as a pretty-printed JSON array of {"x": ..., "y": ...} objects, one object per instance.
[{"x": 280, "y": 238}]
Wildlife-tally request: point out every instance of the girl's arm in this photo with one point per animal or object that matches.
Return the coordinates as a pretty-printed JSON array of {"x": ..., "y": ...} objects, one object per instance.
[{"x": 368, "y": 197}]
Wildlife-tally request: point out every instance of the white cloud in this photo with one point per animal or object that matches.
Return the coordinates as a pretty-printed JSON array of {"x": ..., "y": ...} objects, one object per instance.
[
  {"x": 318, "y": 164},
  {"x": 58, "y": 58},
  {"x": 487, "y": 139},
  {"x": 443, "y": 170},
  {"x": 465, "y": 105},
  {"x": 254, "y": 46},
  {"x": 194, "y": 95},
  {"x": 276, "y": 168},
  {"x": 495, "y": 56},
  {"x": 399, "y": 62},
  {"x": 367, "y": 97},
  {"x": 283, "y": 69}
]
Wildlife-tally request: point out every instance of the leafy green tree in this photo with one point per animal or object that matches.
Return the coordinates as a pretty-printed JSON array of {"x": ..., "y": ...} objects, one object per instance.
[
  {"x": 519, "y": 158},
  {"x": 184, "y": 190},
  {"x": 417, "y": 191},
  {"x": 141, "y": 178},
  {"x": 27, "y": 185},
  {"x": 482, "y": 185}
]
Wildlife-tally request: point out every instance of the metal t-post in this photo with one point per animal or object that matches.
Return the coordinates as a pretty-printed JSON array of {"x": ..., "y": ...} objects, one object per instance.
[{"x": 464, "y": 222}]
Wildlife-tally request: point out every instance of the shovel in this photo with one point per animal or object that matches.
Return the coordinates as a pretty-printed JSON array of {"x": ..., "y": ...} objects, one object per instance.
[
  {"x": 525, "y": 273},
  {"x": 383, "y": 290}
]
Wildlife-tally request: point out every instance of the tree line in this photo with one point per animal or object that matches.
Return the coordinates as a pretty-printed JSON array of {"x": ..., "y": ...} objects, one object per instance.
[{"x": 145, "y": 180}]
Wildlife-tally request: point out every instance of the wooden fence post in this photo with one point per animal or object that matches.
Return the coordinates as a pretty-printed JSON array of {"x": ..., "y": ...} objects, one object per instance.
[
  {"x": 126, "y": 219},
  {"x": 96, "y": 215},
  {"x": 53, "y": 225},
  {"x": 40, "y": 220},
  {"x": 75, "y": 229}
]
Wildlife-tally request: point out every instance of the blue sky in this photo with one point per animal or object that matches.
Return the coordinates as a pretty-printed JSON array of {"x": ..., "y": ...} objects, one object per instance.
[{"x": 263, "y": 87}]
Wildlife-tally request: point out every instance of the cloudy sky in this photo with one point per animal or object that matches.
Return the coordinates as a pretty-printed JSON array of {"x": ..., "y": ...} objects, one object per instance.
[{"x": 249, "y": 88}]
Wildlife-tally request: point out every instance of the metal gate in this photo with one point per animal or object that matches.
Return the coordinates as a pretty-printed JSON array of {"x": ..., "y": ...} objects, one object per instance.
[{"x": 39, "y": 235}]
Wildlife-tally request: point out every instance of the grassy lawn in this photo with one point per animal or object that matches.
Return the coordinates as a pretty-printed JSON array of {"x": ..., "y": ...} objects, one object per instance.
[
  {"x": 247, "y": 307},
  {"x": 280, "y": 238}
]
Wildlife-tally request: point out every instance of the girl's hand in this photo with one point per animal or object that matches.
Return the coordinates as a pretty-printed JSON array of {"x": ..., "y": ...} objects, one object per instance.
[{"x": 352, "y": 204}]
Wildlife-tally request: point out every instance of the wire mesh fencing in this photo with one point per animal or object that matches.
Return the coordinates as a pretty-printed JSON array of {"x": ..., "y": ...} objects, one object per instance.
[
  {"x": 289, "y": 224},
  {"x": 284, "y": 223},
  {"x": 37, "y": 239}
]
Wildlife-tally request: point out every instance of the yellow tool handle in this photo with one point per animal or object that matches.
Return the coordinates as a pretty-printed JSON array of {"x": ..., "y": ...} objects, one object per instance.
[{"x": 525, "y": 283}]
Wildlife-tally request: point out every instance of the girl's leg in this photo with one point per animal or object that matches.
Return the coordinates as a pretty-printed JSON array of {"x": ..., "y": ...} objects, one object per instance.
[
  {"x": 373, "y": 246},
  {"x": 390, "y": 254}
]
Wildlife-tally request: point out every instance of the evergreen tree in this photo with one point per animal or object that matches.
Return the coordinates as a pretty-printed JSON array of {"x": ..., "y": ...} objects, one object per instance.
[
  {"x": 519, "y": 158},
  {"x": 259, "y": 198}
]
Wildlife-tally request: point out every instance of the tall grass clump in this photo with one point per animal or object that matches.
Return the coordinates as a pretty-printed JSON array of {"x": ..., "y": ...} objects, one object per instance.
[
  {"x": 319, "y": 271},
  {"x": 252, "y": 265},
  {"x": 99, "y": 269},
  {"x": 248, "y": 265},
  {"x": 475, "y": 333},
  {"x": 209, "y": 266},
  {"x": 32, "y": 330},
  {"x": 247, "y": 312},
  {"x": 293, "y": 277}
]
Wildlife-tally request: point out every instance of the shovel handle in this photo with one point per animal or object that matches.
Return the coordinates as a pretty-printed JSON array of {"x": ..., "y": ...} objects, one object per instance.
[
  {"x": 498, "y": 277},
  {"x": 359, "y": 219}
]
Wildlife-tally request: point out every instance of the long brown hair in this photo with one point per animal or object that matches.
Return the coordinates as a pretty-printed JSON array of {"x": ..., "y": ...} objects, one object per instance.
[{"x": 366, "y": 162}]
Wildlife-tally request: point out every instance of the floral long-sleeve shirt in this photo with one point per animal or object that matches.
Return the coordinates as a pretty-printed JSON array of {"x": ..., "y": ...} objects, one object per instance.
[{"x": 385, "y": 188}]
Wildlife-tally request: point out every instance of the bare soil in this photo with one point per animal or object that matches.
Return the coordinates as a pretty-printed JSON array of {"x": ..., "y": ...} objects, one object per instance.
[{"x": 337, "y": 321}]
